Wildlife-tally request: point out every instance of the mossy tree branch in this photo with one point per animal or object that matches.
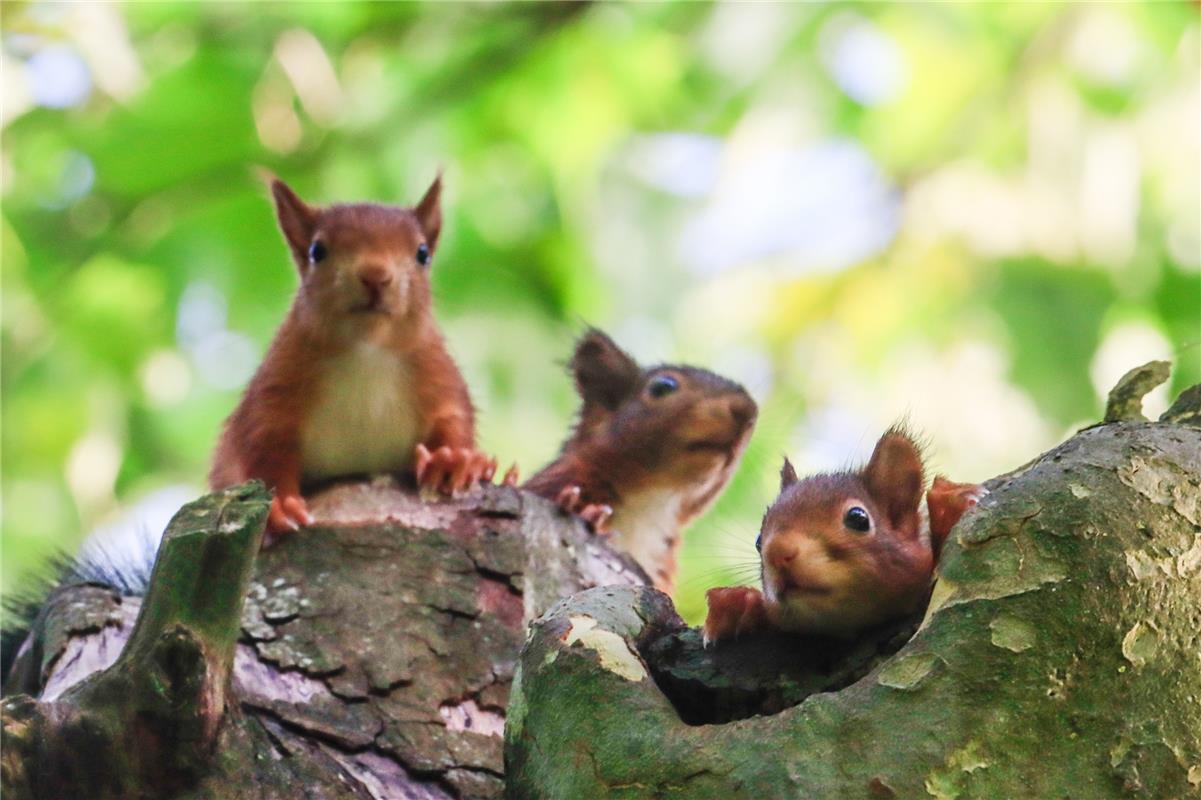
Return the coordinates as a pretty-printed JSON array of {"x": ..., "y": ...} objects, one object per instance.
[
  {"x": 1059, "y": 658},
  {"x": 374, "y": 654},
  {"x": 148, "y": 724}
]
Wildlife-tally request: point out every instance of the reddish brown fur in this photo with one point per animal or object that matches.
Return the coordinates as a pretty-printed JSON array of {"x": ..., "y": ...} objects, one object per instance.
[
  {"x": 330, "y": 314},
  {"x": 627, "y": 443},
  {"x": 821, "y": 576}
]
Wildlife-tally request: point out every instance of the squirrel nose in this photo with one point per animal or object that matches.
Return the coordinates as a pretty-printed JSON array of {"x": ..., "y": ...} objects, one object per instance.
[
  {"x": 375, "y": 278},
  {"x": 742, "y": 410},
  {"x": 780, "y": 554}
]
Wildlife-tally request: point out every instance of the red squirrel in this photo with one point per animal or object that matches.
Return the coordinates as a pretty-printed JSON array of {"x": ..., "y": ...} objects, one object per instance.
[
  {"x": 358, "y": 379},
  {"x": 650, "y": 451},
  {"x": 845, "y": 551}
]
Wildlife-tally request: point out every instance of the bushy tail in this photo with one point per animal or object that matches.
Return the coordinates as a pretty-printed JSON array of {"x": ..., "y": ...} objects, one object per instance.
[{"x": 119, "y": 557}]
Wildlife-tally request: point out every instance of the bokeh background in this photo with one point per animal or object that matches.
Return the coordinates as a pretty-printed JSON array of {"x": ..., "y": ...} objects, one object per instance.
[{"x": 975, "y": 216}]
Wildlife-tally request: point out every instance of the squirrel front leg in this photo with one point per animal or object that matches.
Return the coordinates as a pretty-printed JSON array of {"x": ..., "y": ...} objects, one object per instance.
[{"x": 277, "y": 463}]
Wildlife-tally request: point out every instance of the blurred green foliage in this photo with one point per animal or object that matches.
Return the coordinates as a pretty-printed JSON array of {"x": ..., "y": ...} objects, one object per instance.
[{"x": 1040, "y": 161}]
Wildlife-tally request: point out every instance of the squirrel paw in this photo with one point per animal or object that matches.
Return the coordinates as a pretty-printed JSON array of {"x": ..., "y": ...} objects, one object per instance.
[
  {"x": 595, "y": 515},
  {"x": 947, "y": 502},
  {"x": 733, "y": 611},
  {"x": 569, "y": 498},
  {"x": 451, "y": 470},
  {"x": 288, "y": 513}
]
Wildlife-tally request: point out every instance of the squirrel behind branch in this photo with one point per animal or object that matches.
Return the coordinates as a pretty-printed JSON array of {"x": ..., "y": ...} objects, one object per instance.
[
  {"x": 842, "y": 552},
  {"x": 358, "y": 379},
  {"x": 650, "y": 451}
]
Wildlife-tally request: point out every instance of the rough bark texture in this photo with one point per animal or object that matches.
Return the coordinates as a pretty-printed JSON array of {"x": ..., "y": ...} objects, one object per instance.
[
  {"x": 147, "y": 725},
  {"x": 374, "y": 654},
  {"x": 1060, "y": 658}
]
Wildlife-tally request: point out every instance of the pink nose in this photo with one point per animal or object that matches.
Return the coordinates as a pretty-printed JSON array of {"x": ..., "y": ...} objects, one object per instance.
[
  {"x": 375, "y": 278},
  {"x": 780, "y": 554}
]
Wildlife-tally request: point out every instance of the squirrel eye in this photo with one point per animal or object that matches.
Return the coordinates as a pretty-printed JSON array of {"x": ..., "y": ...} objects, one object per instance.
[
  {"x": 857, "y": 519},
  {"x": 662, "y": 385},
  {"x": 759, "y": 543},
  {"x": 317, "y": 252},
  {"x": 423, "y": 254}
]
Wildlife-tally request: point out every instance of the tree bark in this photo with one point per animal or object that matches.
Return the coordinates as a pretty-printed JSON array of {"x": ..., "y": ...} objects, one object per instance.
[
  {"x": 1060, "y": 657},
  {"x": 375, "y": 654},
  {"x": 372, "y": 657}
]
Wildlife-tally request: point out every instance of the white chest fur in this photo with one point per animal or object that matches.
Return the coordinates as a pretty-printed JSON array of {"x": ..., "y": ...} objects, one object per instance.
[
  {"x": 364, "y": 418},
  {"x": 646, "y": 527}
]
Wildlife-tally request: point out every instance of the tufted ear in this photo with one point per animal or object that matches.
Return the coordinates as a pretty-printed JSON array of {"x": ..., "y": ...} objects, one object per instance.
[
  {"x": 894, "y": 478},
  {"x": 787, "y": 474},
  {"x": 296, "y": 218},
  {"x": 604, "y": 374},
  {"x": 429, "y": 212}
]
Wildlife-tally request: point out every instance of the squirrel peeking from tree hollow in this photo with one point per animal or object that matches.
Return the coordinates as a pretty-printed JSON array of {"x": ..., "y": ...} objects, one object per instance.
[{"x": 844, "y": 551}]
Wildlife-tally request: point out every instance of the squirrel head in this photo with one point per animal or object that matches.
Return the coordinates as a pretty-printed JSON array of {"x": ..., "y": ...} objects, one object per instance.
[
  {"x": 362, "y": 264},
  {"x": 668, "y": 423},
  {"x": 844, "y": 551}
]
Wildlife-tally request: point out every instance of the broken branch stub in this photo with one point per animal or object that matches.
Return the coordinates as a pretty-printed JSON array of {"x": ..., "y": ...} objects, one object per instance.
[
  {"x": 147, "y": 726},
  {"x": 1125, "y": 402}
]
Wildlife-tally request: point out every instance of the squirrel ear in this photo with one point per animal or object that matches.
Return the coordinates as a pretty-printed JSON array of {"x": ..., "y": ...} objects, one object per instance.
[
  {"x": 296, "y": 219},
  {"x": 894, "y": 478},
  {"x": 787, "y": 474},
  {"x": 429, "y": 212},
  {"x": 604, "y": 373}
]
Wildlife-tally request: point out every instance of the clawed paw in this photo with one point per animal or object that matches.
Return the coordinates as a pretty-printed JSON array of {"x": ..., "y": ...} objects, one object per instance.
[
  {"x": 451, "y": 470},
  {"x": 733, "y": 611},
  {"x": 595, "y": 515},
  {"x": 288, "y": 513},
  {"x": 947, "y": 502}
]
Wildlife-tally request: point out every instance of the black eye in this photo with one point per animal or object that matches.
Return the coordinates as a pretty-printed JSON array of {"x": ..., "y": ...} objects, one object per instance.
[
  {"x": 857, "y": 519},
  {"x": 423, "y": 254},
  {"x": 662, "y": 385},
  {"x": 759, "y": 543},
  {"x": 317, "y": 252}
]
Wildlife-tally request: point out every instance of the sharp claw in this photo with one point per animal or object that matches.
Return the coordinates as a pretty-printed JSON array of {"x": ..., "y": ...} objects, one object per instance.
[
  {"x": 489, "y": 470},
  {"x": 569, "y": 498},
  {"x": 423, "y": 461},
  {"x": 596, "y": 515},
  {"x": 511, "y": 477},
  {"x": 603, "y": 516},
  {"x": 295, "y": 510},
  {"x": 460, "y": 473},
  {"x": 479, "y": 472}
]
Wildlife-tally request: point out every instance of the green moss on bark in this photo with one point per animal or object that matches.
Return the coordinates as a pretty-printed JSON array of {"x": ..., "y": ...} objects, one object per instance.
[{"x": 1059, "y": 658}]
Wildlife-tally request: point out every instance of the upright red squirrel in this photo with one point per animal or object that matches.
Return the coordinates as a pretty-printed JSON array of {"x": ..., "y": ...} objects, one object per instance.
[
  {"x": 650, "y": 451},
  {"x": 845, "y": 551},
  {"x": 357, "y": 379}
]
